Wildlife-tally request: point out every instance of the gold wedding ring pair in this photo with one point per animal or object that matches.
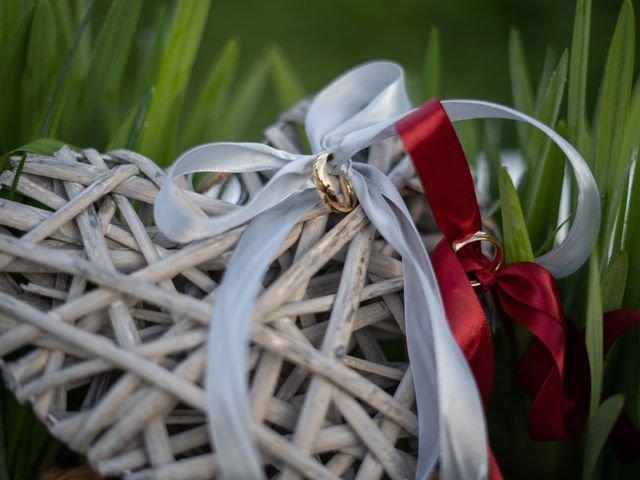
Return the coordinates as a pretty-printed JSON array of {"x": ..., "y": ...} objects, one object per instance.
[{"x": 342, "y": 203}]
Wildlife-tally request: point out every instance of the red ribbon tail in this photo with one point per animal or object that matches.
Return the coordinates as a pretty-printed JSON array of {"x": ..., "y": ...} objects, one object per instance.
[{"x": 465, "y": 315}]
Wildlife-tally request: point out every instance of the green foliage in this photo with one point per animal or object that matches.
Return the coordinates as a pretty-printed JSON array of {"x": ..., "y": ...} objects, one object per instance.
[
  {"x": 159, "y": 136},
  {"x": 611, "y": 117},
  {"x": 593, "y": 333},
  {"x": 517, "y": 247},
  {"x": 598, "y": 431},
  {"x": 577, "y": 95},
  {"x": 286, "y": 82},
  {"x": 612, "y": 278},
  {"x": 432, "y": 70}
]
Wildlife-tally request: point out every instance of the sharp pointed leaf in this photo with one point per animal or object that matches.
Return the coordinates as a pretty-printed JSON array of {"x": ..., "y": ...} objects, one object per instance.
[
  {"x": 520, "y": 82},
  {"x": 245, "y": 101},
  {"x": 204, "y": 122},
  {"x": 517, "y": 247},
  {"x": 12, "y": 59},
  {"x": 577, "y": 90},
  {"x": 101, "y": 93},
  {"x": 288, "y": 86},
  {"x": 614, "y": 281},
  {"x": 615, "y": 94},
  {"x": 432, "y": 70},
  {"x": 159, "y": 135},
  {"x": 598, "y": 431},
  {"x": 593, "y": 332}
]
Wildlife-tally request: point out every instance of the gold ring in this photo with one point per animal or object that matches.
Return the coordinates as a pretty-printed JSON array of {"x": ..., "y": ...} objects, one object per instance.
[
  {"x": 347, "y": 200},
  {"x": 481, "y": 236}
]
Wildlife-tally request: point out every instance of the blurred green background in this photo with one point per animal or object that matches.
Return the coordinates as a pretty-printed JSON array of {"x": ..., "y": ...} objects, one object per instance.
[{"x": 324, "y": 38}]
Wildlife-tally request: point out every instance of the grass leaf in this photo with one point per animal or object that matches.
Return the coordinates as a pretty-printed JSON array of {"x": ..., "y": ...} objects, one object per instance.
[
  {"x": 101, "y": 92},
  {"x": 12, "y": 59},
  {"x": 10, "y": 14},
  {"x": 245, "y": 101},
  {"x": 491, "y": 148},
  {"x": 55, "y": 103},
  {"x": 159, "y": 135},
  {"x": 129, "y": 130},
  {"x": 543, "y": 193},
  {"x": 42, "y": 64},
  {"x": 615, "y": 94},
  {"x": 543, "y": 186},
  {"x": 204, "y": 120},
  {"x": 432, "y": 67},
  {"x": 287, "y": 84},
  {"x": 593, "y": 332},
  {"x": 614, "y": 281},
  {"x": 577, "y": 90},
  {"x": 631, "y": 242},
  {"x": 548, "y": 69},
  {"x": 598, "y": 431},
  {"x": 520, "y": 82},
  {"x": 517, "y": 247}
]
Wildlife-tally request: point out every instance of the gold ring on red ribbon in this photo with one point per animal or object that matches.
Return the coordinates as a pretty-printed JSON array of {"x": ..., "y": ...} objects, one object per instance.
[
  {"x": 481, "y": 236},
  {"x": 347, "y": 199}
]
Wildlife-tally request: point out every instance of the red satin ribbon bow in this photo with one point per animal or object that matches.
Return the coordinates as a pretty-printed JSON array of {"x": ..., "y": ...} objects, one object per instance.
[{"x": 526, "y": 292}]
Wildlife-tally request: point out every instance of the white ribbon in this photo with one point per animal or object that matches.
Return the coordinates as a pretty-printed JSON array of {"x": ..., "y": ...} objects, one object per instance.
[{"x": 356, "y": 110}]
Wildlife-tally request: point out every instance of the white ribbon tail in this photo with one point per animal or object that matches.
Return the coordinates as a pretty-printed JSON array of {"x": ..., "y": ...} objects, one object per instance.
[
  {"x": 445, "y": 388},
  {"x": 229, "y": 413}
]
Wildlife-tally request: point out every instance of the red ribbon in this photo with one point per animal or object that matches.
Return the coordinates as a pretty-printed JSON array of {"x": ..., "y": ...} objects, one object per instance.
[{"x": 525, "y": 291}]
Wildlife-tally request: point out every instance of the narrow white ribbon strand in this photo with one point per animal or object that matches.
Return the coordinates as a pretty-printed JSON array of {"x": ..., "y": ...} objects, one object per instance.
[{"x": 353, "y": 112}]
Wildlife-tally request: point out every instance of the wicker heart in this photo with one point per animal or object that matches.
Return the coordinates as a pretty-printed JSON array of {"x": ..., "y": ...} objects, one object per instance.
[{"x": 104, "y": 325}]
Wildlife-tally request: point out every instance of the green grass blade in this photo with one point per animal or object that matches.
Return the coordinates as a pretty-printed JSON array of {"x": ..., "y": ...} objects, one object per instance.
[
  {"x": 517, "y": 247},
  {"x": 614, "y": 281},
  {"x": 129, "y": 131},
  {"x": 618, "y": 220},
  {"x": 598, "y": 431},
  {"x": 204, "y": 121},
  {"x": 520, "y": 82},
  {"x": 631, "y": 137},
  {"x": 10, "y": 14},
  {"x": 245, "y": 101},
  {"x": 101, "y": 94},
  {"x": 615, "y": 94},
  {"x": 42, "y": 63},
  {"x": 469, "y": 135},
  {"x": 548, "y": 69},
  {"x": 288, "y": 86},
  {"x": 491, "y": 148},
  {"x": 149, "y": 59},
  {"x": 56, "y": 100},
  {"x": 12, "y": 59},
  {"x": 64, "y": 22},
  {"x": 593, "y": 332},
  {"x": 543, "y": 184},
  {"x": 577, "y": 92},
  {"x": 432, "y": 67},
  {"x": 159, "y": 136},
  {"x": 551, "y": 238},
  {"x": 543, "y": 193},
  {"x": 631, "y": 243}
]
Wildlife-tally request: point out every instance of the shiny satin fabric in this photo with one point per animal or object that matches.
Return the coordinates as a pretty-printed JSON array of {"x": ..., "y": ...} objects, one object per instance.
[{"x": 356, "y": 110}]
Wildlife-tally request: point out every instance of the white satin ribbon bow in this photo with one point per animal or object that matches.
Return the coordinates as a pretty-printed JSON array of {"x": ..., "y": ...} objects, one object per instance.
[{"x": 353, "y": 112}]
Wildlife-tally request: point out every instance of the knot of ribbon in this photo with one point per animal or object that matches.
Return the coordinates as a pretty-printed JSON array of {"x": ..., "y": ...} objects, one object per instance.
[{"x": 363, "y": 106}]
